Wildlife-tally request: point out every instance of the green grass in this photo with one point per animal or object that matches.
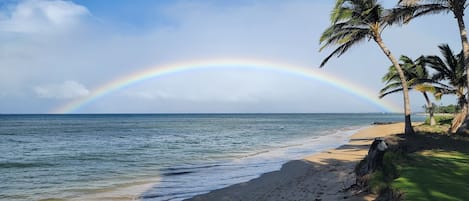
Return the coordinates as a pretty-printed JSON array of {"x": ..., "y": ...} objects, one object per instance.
[
  {"x": 443, "y": 123},
  {"x": 434, "y": 175},
  {"x": 441, "y": 119},
  {"x": 437, "y": 129}
]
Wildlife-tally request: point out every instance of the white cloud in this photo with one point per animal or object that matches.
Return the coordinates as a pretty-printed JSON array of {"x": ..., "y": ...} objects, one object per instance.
[
  {"x": 37, "y": 16},
  {"x": 44, "y": 41},
  {"x": 67, "y": 90}
]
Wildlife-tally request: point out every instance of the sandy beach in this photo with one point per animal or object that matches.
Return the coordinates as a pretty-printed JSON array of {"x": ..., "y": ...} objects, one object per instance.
[{"x": 318, "y": 177}]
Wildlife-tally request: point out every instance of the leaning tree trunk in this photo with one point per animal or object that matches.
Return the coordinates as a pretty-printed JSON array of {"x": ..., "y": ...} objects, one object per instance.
[
  {"x": 458, "y": 123},
  {"x": 464, "y": 41},
  {"x": 408, "y": 123},
  {"x": 430, "y": 109}
]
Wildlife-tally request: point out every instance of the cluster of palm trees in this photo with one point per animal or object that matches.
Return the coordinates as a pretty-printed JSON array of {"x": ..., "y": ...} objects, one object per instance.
[
  {"x": 448, "y": 77},
  {"x": 354, "y": 21}
]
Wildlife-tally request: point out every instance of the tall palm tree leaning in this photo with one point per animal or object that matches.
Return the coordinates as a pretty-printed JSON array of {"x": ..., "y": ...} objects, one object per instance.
[
  {"x": 411, "y": 9},
  {"x": 417, "y": 78},
  {"x": 353, "y": 21},
  {"x": 450, "y": 68}
]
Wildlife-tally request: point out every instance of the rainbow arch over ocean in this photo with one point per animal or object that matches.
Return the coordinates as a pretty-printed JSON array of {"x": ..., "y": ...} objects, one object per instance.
[{"x": 157, "y": 71}]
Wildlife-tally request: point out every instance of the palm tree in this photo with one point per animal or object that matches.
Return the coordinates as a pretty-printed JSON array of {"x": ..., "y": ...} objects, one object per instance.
[
  {"x": 451, "y": 69},
  {"x": 417, "y": 78},
  {"x": 353, "y": 21},
  {"x": 411, "y": 9}
]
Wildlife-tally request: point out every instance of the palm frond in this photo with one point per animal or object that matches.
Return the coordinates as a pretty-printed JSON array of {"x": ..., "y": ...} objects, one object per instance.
[
  {"x": 351, "y": 22},
  {"x": 429, "y": 9},
  {"x": 399, "y": 15},
  {"x": 425, "y": 88},
  {"x": 345, "y": 42},
  {"x": 411, "y": 9},
  {"x": 339, "y": 12},
  {"x": 381, "y": 95},
  {"x": 339, "y": 35},
  {"x": 390, "y": 86}
]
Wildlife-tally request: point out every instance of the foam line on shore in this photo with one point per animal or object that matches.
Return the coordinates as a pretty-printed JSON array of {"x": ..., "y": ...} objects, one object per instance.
[
  {"x": 251, "y": 165},
  {"x": 320, "y": 176}
]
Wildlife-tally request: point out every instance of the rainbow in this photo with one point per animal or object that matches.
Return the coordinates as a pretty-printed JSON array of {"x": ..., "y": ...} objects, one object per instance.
[{"x": 174, "y": 68}]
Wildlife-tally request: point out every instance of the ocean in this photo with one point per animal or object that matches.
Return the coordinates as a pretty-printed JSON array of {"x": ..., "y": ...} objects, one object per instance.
[{"x": 157, "y": 156}]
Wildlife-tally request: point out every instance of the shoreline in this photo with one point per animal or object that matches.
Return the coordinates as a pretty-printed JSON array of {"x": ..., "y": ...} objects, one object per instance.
[
  {"x": 137, "y": 192},
  {"x": 321, "y": 176}
]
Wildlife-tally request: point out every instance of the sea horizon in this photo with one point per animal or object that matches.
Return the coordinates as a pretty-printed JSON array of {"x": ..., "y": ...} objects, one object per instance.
[
  {"x": 158, "y": 156},
  {"x": 208, "y": 113}
]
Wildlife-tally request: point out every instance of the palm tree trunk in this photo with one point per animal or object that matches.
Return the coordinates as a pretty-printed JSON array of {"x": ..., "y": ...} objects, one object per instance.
[
  {"x": 465, "y": 44},
  {"x": 459, "y": 124},
  {"x": 408, "y": 123},
  {"x": 430, "y": 109}
]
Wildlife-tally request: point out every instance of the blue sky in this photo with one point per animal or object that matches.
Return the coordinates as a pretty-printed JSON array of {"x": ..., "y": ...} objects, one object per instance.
[{"x": 53, "y": 52}]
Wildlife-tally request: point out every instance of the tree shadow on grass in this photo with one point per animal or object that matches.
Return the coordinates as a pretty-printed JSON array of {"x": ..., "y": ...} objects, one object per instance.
[
  {"x": 437, "y": 167},
  {"x": 430, "y": 141}
]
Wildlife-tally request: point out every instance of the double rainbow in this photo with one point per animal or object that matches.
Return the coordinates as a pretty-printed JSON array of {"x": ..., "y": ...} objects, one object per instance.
[{"x": 174, "y": 68}]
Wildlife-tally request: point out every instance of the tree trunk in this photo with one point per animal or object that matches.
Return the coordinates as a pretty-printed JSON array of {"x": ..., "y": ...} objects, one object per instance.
[
  {"x": 465, "y": 44},
  {"x": 408, "y": 122},
  {"x": 430, "y": 109},
  {"x": 458, "y": 14},
  {"x": 459, "y": 121}
]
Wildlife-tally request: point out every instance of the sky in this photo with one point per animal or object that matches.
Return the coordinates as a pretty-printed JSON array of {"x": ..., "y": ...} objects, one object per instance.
[{"x": 54, "y": 52}]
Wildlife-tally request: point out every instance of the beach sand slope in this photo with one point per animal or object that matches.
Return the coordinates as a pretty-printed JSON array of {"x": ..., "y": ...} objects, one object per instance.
[{"x": 319, "y": 177}]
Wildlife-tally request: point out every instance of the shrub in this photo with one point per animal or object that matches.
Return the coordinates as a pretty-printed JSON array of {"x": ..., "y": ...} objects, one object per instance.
[
  {"x": 390, "y": 165},
  {"x": 377, "y": 182},
  {"x": 380, "y": 181}
]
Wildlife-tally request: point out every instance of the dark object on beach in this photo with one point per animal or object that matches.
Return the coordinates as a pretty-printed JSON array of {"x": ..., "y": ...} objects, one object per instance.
[
  {"x": 372, "y": 161},
  {"x": 383, "y": 122}
]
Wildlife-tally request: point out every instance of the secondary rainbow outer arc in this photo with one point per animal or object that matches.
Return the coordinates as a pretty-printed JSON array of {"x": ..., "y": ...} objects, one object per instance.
[{"x": 162, "y": 70}]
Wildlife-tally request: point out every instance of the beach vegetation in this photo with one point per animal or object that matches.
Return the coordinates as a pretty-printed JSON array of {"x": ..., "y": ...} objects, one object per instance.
[
  {"x": 423, "y": 167},
  {"x": 450, "y": 109},
  {"x": 440, "y": 120},
  {"x": 434, "y": 175},
  {"x": 381, "y": 179},
  {"x": 436, "y": 129},
  {"x": 407, "y": 10},
  {"x": 417, "y": 78},
  {"x": 353, "y": 22},
  {"x": 450, "y": 69},
  {"x": 377, "y": 182}
]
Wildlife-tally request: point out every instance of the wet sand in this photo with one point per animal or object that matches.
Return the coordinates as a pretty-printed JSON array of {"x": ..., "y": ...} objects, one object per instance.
[{"x": 318, "y": 177}]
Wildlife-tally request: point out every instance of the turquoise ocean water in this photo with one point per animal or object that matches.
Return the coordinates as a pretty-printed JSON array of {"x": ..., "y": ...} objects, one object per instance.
[{"x": 157, "y": 156}]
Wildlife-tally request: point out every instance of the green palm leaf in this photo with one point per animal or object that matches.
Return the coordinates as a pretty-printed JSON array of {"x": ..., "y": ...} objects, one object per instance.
[{"x": 353, "y": 21}]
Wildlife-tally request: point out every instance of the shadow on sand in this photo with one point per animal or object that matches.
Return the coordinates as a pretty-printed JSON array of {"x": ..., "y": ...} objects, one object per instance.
[{"x": 297, "y": 180}]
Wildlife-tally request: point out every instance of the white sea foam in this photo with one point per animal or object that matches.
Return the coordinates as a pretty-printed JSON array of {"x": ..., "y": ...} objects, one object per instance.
[
  {"x": 74, "y": 156},
  {"x": 245, "y": 168}
]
